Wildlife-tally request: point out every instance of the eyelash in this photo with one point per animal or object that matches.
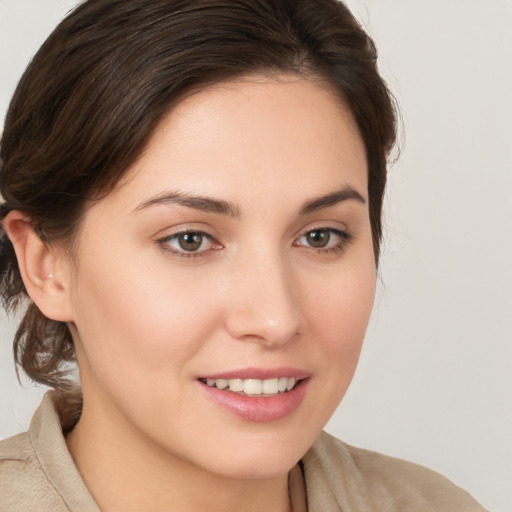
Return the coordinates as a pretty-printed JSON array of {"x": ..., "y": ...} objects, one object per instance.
[
  {"x": 344, "y": 239},
  {"x": 164, "y": 243}
]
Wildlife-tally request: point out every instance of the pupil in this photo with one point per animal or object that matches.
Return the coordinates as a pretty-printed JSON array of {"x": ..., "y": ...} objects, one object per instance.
[
  {"x": 190, "y": 241},
  {"x": 318, "y": 238}
]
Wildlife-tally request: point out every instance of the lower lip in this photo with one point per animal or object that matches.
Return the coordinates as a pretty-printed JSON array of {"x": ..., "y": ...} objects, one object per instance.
[{"x": 259, "y": 409}]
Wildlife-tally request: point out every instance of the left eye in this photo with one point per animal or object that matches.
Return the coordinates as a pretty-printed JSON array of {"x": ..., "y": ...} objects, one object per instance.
[
  {"x": 189, "y": 241},
  {"x": 322, "y": 238}
]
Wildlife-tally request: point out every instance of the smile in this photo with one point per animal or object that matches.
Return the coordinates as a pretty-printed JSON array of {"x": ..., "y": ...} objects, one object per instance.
[{"x": 254, "y": 387}]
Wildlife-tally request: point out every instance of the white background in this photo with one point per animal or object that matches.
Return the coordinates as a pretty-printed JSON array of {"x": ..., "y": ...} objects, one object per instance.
[{"x": 435, "y": 383}]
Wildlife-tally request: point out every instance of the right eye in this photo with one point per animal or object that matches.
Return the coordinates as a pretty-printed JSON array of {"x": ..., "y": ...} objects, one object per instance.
[{"x": 188, "y": 243}]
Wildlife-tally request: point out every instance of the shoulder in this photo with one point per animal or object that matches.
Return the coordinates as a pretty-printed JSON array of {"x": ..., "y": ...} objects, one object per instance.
[
  {"x": 366, "y": 480},
  {"x": 17, "y": 459},
  {"x": 23, "y": 483}
]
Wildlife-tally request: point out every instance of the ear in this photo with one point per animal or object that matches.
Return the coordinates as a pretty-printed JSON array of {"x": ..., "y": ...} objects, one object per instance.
[{"x": 44, "y": 268}]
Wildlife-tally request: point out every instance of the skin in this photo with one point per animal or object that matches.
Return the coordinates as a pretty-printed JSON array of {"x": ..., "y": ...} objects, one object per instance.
[{"x": 148, "y": 321}]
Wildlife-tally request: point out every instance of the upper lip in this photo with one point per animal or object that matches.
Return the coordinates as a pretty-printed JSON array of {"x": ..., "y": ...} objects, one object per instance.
[{"x": 259, "y": 373}]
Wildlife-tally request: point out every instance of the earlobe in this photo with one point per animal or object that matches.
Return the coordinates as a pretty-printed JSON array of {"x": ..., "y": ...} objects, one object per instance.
[{"x": 43, "y": 268}]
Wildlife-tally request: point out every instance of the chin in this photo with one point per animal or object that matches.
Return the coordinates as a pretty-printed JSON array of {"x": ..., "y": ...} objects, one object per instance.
[
  {"x": 259, "y": 456},
  {"x": 252, "y": 466}
]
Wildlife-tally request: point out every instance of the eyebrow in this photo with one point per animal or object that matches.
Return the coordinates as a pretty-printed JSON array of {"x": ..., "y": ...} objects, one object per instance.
[
  {"x": 202, "y": 203},
  {"x": 221, "y": 207},
  {"x": 346, "y": 193}
]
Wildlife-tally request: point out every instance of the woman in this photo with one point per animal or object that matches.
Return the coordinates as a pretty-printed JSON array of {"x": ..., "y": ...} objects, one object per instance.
[{"x": 191, "y": 208}]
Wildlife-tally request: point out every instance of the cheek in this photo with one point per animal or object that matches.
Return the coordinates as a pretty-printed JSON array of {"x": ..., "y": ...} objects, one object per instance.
[
  {"x": 145, "y": 321},
  {"x": 341, "y": 308},
  {"x": 338, "y": 319}
]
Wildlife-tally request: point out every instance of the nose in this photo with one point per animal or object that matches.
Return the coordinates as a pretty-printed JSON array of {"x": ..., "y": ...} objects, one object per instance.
[{"x": 264, "y": 302}]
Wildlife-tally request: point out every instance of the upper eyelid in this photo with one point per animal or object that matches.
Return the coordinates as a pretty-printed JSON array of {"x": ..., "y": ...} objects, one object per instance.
[
  {"x": 210, "y": 235},
  {"x": 302, "y": 232},
  {"x": 184, "y": 231},
  {"x": 173, "y": 232},
  {"x": 342, "y": 233},
  {"x": 340, "y": 228},
  {"x": 176, "y": 234}
]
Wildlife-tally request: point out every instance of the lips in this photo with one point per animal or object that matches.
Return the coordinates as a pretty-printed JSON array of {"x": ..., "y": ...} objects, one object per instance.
[{"x": 257, "y": 395}]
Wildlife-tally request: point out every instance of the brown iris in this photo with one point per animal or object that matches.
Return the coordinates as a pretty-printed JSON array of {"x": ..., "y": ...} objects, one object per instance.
[
  {"x": 318, "y": 238},
  {"x": 190, "y": 241}
]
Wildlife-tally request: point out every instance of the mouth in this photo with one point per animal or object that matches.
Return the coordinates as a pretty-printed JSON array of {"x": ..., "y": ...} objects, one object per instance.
[
  {"x": 254, "y": 387},
  {"x": 257, "y": 394}
]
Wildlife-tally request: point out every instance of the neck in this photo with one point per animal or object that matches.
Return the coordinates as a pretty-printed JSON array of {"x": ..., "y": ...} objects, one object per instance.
[{"x": 123, "y": 470}]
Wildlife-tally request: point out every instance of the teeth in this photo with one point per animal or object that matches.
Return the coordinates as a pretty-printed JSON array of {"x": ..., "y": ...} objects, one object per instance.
[
  {"x": 236, "y": 385},
  {"x": 270, "y": 386},
  {"x": 254, "y": 387},
  {"x": 221, "y": 383}
]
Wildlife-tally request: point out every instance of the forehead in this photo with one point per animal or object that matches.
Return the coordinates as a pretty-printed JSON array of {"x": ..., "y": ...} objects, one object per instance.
[{"x": 254, "y": 134}]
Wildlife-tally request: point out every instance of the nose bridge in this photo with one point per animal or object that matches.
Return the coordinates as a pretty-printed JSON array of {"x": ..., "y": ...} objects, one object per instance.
[{"x": 264, "y": 304}]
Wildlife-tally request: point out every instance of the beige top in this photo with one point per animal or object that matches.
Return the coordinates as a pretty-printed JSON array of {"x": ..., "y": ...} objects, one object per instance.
[{"x": 37, "y": 474}]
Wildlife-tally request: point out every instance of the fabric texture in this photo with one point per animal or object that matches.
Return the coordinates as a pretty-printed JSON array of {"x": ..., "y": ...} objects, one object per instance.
[{"x": 37, "y": 474}]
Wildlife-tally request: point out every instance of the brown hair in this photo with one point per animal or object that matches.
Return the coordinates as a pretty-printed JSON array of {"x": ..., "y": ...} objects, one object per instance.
[{"x": 97, "y": 88}]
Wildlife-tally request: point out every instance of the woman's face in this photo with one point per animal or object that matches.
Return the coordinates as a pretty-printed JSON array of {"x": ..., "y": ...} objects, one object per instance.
[{"x": 236, "y": 252}]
